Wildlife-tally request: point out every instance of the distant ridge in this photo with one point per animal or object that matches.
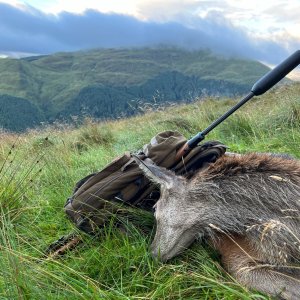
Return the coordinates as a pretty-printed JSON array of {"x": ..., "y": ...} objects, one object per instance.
[{"x": 114, "y": 82}]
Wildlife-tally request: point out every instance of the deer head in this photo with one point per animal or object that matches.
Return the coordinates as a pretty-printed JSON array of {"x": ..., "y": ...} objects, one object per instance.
[{"x": 174, "y": 225}]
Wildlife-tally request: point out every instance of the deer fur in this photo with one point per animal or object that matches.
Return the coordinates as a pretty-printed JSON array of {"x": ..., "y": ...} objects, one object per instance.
[{"x": 247, "y": 207}]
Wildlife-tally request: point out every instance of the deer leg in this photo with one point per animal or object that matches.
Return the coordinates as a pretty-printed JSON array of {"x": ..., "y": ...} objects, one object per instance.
[{"x": 243, "y": 263}]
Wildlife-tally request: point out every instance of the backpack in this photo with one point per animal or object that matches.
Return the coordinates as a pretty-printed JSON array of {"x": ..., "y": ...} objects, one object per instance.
[{"x": 94, "y": 198}]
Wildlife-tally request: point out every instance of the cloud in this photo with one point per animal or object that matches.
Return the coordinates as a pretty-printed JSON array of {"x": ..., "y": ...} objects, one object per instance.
[
  {"x": 285, "y": 11},
  {"x": 167, "y": 10},
  {"x": 29, "y": 30}
]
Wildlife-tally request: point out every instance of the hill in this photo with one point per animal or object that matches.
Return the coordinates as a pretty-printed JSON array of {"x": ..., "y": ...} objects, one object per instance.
[
  {"x": 38, "y": 172},
  {"x": 112, "y": 83},
  {"x": 18, "y": 113}
]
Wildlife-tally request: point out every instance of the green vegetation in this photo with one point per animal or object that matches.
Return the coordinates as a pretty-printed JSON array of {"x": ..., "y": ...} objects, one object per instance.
[
  {"x": 113, "y": 83},
  {"x": 39, "y": 169},
  {"x": 17, "y": 114}
]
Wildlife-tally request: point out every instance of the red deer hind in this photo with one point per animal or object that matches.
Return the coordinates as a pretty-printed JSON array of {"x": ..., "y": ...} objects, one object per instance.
[{"x": 247, "y": 206}]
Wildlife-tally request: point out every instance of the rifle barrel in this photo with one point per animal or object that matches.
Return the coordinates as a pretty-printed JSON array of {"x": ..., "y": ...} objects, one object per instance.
[
  {"x": 201, "y": 135},
  {"x": 259, "y": 88},
  {"x": 276, "y": 74}
]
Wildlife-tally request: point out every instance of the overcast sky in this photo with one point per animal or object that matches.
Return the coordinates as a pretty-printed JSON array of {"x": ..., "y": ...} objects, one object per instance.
[{"x": 263, "y": 30}]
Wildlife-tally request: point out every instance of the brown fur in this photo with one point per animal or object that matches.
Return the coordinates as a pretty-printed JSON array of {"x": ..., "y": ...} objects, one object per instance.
[
  {"x": 248, "y": 206},
  {"x": 228, "y": 166},
  {"x": 244, "y": 263}
]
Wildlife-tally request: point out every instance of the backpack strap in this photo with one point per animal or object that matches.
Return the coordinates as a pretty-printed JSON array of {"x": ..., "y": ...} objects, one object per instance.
[{"x": 199, "y": 158}]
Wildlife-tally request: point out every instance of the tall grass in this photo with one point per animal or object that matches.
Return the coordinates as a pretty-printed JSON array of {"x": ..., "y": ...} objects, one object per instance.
[{"x": 40, "y": 168}]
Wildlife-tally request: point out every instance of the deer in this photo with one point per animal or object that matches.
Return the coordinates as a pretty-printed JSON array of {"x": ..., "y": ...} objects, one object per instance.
[{"x": 248, "y": 209}]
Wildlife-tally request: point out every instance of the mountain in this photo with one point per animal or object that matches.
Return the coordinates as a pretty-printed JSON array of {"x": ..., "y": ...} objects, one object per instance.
[
  {"x": 116, "y": 82},
  {"x": 18, "y": 113}
]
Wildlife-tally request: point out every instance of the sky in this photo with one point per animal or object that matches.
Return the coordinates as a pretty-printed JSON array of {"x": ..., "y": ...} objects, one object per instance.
[{"x": 267, "y": 30}]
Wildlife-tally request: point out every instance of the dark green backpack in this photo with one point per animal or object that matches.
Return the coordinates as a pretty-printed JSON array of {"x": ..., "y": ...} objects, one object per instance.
[{"x": 95, "y": 196}]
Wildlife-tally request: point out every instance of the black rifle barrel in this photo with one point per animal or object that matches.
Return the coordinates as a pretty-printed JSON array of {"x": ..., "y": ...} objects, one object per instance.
[
  {"x": 259, "y": 88},
  {"x": 275, "y": 75}
]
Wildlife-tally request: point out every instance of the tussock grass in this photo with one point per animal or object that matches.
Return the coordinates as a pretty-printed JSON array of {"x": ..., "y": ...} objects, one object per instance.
[
  {"x": 93, "y": 133},
  {"x": 117, "y": 264}
]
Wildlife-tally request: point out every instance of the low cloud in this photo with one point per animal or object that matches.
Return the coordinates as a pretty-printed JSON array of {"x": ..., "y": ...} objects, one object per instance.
[{"x": 28, "y": 30}]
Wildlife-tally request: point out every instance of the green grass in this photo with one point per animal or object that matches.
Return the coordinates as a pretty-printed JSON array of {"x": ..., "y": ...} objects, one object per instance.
[{"x": 39, "y": 170}]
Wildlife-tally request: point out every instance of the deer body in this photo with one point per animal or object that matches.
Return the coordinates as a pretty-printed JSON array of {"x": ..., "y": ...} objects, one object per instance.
[{"x": 248, "y": 206}]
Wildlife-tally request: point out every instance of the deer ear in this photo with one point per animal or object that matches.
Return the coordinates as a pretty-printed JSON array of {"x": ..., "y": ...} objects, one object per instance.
[{"x": 157, "y": 174}]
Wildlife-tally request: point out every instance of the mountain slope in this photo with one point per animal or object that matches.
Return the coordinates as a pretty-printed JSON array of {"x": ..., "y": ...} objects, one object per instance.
[
  {"x": 59, "y": 84},
  {"x": 18, "y": 113}
]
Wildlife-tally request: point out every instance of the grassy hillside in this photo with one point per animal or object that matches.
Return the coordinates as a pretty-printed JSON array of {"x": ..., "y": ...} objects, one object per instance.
[
  {"x": 38, "y": 171},
  {"x": 18, "y": 113},
  {"x": 111, "y": 83}
]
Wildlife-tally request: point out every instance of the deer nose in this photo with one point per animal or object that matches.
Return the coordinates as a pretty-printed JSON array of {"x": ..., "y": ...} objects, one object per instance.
[
  {"x": 154, "y": 251},
  {"x": 157, "y": 255}
]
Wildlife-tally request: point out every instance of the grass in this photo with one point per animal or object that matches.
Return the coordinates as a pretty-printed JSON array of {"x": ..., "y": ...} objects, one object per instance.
[{"x": 39, "y": 170}]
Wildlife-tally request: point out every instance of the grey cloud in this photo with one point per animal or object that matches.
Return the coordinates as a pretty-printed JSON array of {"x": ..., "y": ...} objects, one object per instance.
[
  {"x": 32, "y": 31},
  {"x": 169, "y": 10},
  {"x": 283, "y": 12}
]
